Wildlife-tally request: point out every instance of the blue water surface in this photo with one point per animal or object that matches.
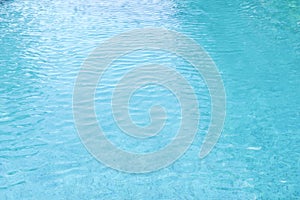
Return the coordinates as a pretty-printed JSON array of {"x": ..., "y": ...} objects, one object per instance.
[{"x": 256, "y": 47}]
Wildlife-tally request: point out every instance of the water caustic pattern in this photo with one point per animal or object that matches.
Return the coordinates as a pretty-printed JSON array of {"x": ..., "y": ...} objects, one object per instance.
[{"x": 255, "y": 46}]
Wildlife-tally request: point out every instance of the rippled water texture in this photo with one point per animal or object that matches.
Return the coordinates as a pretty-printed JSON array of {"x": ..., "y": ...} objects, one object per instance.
[{"x": 254, "y": 43}]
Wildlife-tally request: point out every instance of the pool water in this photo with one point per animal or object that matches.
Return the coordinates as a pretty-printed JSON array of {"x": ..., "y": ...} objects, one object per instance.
[{"x": 256, "y": 47}]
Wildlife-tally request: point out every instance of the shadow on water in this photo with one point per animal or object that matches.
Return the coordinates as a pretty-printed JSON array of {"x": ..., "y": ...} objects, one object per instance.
[{"x": 4, "y": 1}]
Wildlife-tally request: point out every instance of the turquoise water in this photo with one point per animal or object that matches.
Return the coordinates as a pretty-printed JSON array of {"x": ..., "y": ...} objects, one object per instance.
[{"x": 256, "y": 47}]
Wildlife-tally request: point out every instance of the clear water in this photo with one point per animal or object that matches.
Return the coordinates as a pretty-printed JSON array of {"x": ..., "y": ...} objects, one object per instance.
[{"x": 256, "y": 46}]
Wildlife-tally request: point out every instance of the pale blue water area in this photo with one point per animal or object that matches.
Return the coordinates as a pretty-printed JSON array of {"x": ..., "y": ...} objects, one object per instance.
[{"x": 256, "y": 47}]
